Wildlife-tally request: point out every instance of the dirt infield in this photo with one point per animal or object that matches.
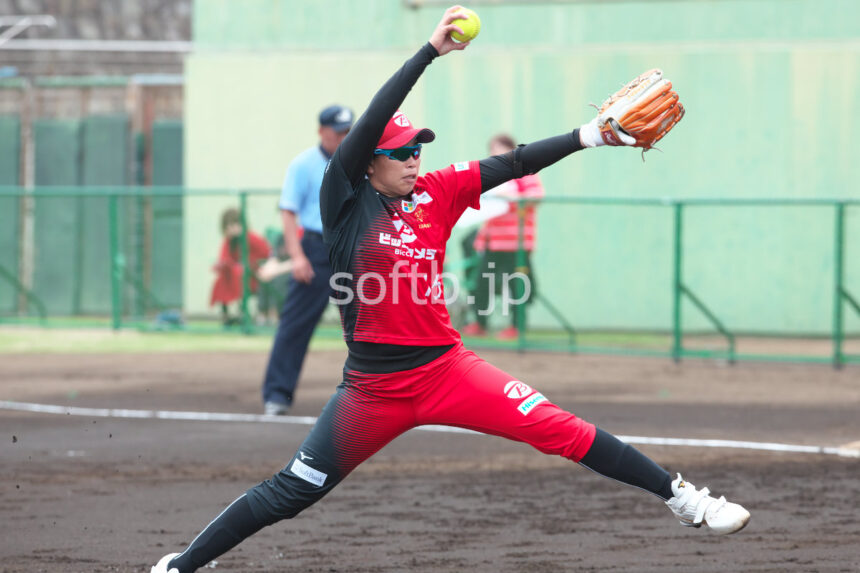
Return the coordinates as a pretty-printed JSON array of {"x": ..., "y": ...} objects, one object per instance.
[{"x": 83, "y": 494}]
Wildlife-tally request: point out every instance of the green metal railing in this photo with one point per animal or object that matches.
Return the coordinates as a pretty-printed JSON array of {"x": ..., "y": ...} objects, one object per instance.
[
  {"x": 121, "y": 273},
  {"x": 247, "y": 324},
  {"x": 28, "y": 294},
  {"x": 117, "y": 263},
  {"x": 522, "y": 267},
  {"x": 681, "y": 291},
  {"x": 841, "y": 294}
]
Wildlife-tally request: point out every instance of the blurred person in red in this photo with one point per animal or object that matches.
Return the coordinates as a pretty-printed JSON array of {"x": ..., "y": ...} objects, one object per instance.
[
  {"x": 229, "y": 269},
  {"x": 498, "y": 241}
]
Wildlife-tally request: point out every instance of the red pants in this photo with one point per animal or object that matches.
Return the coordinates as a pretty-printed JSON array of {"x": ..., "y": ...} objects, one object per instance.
[
  {"x": 369, "y": 410},
  {"x": 457, "y": 389}
]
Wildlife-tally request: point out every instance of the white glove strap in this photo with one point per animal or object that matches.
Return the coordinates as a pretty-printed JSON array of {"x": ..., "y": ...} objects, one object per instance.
[{"x": 589, "y": 134}]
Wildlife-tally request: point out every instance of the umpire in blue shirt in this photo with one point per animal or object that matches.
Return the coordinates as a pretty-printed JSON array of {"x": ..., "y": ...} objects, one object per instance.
[{"x": 309, "y": 287}]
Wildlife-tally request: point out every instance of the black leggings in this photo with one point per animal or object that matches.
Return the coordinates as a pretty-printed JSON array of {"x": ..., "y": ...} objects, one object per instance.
[
  {"x": 286, "y": 494},
  {"x": 612, "y": 458}
]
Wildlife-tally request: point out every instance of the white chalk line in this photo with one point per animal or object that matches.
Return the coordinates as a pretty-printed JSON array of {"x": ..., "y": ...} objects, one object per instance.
[{"x": 310, "y": 420}]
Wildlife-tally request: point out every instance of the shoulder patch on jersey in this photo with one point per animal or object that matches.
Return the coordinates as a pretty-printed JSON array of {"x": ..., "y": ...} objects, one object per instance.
[
  {"x": 461, "y": 166},
  {"x": 416, "y": 201},
  {"x": 423, "y": 197}
]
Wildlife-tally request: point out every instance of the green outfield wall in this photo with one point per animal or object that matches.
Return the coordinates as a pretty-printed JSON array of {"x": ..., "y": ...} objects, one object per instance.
[{"x": 771, "y": 87}]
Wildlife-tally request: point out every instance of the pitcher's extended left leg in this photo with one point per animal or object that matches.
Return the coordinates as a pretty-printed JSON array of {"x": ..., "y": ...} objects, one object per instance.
[{"x": 473, "y": 394}]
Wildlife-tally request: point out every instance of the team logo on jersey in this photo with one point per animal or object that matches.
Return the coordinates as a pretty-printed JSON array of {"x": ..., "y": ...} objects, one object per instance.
[
  {"x": 407, "y": 235},
  {"x": 461, "y": 166},
  {"x": 417, "y": 200},
  {"x": 421, "y": 215},
  {"x": 401, "y": 119},
  {"x": 517, "y": 390},
  {"x": 406, "y": 251}
]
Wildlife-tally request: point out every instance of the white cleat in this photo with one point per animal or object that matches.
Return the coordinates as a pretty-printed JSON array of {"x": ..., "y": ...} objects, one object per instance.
[
  {"x": 695, "y": 507},
  {"x": 161, "y": 566}
]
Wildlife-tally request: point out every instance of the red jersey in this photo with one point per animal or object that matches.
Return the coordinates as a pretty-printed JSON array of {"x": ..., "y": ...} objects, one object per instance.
[{"x": 387, "y": 253}]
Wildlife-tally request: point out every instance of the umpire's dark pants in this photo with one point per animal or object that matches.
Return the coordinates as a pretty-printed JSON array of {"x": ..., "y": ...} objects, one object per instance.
[
  {"x": 302, "y": 310},
  {"x": 491, "y": 281}
]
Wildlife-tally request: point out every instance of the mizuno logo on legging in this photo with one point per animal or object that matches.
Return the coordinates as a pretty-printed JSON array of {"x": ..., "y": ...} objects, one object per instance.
[{"x": 304, "y": 456}]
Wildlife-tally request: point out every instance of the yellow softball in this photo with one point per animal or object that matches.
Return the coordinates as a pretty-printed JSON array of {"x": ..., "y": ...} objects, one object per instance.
[{"x": 470, "y": 26}]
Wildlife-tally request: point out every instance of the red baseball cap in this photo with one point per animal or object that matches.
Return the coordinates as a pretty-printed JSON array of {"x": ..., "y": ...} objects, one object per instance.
[{"x": 399, "y": 131}]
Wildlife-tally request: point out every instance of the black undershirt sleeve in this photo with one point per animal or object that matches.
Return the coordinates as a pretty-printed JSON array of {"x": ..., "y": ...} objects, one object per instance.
[
  {"x": 527, "y": 159},
  {"x": 356, "y": 150}
]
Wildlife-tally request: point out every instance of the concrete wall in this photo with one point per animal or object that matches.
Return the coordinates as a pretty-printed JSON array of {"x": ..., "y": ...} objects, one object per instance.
[{"x": 99, "y": 20}]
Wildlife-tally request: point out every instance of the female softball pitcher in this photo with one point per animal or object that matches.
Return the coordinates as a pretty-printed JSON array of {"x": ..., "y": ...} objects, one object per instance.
[{"x": 386, "y": 227}]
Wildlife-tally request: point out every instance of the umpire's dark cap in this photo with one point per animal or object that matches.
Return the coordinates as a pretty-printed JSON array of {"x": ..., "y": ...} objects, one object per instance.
[{"x": 337, "y": 117}]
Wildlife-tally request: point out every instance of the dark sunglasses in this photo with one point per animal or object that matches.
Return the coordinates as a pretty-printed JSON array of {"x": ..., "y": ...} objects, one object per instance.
[{"x": 401, "y": 153}]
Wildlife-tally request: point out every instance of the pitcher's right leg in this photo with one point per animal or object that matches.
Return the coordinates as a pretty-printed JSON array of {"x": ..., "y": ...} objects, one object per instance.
[{"x": 352, "y": 427}]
